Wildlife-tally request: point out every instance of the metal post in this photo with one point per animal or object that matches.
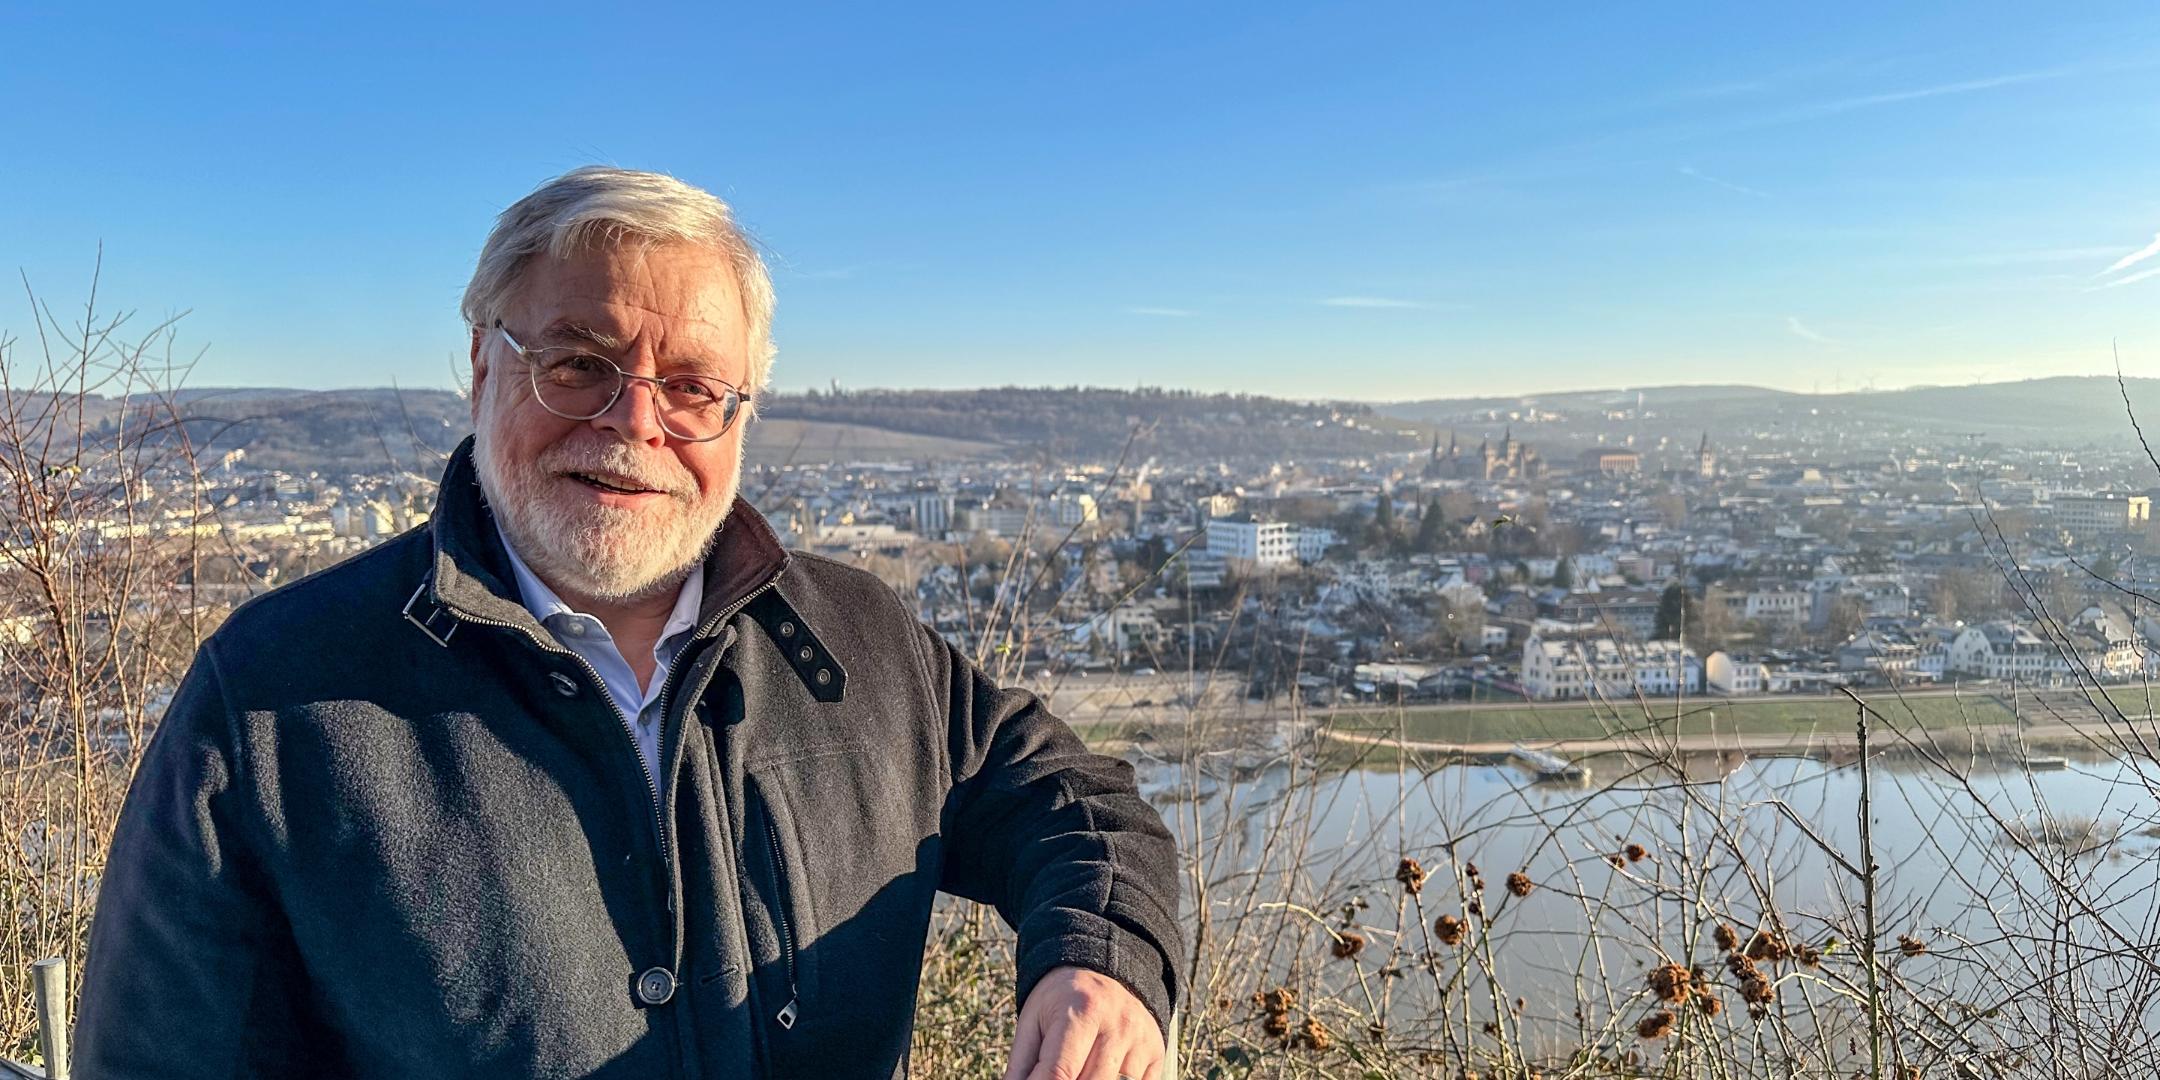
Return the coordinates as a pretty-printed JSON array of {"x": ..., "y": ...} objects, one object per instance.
[
  {"x": 50, "y": 978},
  {"x": 1170, "y": 1062}
]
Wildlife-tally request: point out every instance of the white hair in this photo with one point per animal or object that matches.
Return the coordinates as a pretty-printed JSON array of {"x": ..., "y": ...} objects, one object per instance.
[{"x": 598, "y": 205}]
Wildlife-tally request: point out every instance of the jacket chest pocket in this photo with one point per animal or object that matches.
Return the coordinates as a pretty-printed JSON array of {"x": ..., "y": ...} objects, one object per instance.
[
  {"x": 833, "y": 843},
  {"x": 777, "y": 909}
]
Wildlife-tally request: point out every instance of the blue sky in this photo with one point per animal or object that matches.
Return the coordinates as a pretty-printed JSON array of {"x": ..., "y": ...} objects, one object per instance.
[{"x": 1353, "y": 200}]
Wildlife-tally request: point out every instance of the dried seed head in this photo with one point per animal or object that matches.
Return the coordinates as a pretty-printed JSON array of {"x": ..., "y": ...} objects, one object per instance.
[
  {"x": 1808, "y": 955},
  {"x": 1277, "y": 1025},
  {"x": 1411, "y": 875},
  {"x": 1725, "y": 938},
  {"x": 1768, "y": 945},
  {"x": 1315, "y": 1035},
  {"x": 1492, "y": 1028},
  {"x": 1656, "y": 1025},
  {"x": 1450, "y": 930},
  {"x": 1349, "y": 943},
  {"x": 1710, "y": 1006},
  {"x": 1757, "y": 991},
  {"x": 1279, "y": 1000},
  {"x": 1910, "y": 946},
  {"x": 1519, "y": 884},
  {"x": 1618, "y": 860},
  {"x": 1670, "y": 982},
  {"x": 1635, "y": 853}
]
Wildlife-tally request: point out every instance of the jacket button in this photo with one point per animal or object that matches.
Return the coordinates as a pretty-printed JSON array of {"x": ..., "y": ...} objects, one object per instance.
[
  {"x": 656, "y": 986},
  {"x": 564, "y": 684}
]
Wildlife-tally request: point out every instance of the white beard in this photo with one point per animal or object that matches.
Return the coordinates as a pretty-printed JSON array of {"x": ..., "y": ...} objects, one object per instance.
[{"x": 599, "y": 552}]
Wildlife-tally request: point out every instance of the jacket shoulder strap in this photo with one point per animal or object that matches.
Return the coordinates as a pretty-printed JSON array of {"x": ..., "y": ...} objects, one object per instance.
[{"x": 814, "y": 664}]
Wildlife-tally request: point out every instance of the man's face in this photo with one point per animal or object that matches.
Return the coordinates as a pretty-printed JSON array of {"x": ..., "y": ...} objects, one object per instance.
[{"x": 613, "y": 508}]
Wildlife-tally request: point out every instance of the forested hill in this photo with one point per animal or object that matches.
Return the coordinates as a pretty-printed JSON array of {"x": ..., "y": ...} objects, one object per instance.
[
  {"x": 376, "y": 430},
  {"x": 1091, "y": 425}
]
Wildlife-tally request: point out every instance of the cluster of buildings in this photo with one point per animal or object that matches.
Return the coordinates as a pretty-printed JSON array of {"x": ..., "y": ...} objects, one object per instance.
[{"x": 1483, "y": 561}]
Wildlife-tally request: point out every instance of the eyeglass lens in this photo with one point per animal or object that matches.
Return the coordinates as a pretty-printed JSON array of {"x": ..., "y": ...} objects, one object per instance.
[{"x": 582, "y": 386}]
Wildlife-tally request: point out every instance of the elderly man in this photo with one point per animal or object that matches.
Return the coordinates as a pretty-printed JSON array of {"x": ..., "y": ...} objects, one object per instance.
[{"x": 589, "y": 776}]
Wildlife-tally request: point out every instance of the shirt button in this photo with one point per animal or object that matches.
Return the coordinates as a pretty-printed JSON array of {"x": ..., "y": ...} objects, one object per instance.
[
  {"x": 656, "y": 986},
  {"x": 564, "y": 684}
]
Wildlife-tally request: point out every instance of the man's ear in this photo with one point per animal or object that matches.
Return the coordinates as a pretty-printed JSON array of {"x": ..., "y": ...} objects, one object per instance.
[{"x": 479, "y": 373}]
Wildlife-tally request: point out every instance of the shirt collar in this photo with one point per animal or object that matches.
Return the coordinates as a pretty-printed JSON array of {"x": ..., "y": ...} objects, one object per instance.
[{"x": 545, "y": 604}]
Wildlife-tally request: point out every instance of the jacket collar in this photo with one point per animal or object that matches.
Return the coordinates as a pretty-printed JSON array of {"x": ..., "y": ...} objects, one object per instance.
[{"x": 471, "y": 572}]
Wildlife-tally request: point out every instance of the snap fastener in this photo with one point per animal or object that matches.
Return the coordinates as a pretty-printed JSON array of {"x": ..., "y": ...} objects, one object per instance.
[
  {"x": 805, "y": 653},
  {"x": 656, "y": 986},
  {"x": 787, "y": 629},
  {"x": 824, "y": 676},
  {"x": 564, "y": 684}
]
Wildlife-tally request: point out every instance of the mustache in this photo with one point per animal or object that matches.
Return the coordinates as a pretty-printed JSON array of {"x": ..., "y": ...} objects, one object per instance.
[{"x": 614, "y": 459}]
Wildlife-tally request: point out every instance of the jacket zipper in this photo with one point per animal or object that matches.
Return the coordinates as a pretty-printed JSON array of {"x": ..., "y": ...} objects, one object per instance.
[{"x": 789, "y": 1011}]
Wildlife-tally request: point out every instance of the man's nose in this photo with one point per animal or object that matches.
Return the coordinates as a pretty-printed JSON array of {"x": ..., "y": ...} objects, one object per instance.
[{"x": 635, "y": 414}]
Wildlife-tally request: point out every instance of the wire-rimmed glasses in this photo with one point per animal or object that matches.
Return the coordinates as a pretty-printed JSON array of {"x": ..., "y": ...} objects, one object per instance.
[{"x": 579, "y": 385}]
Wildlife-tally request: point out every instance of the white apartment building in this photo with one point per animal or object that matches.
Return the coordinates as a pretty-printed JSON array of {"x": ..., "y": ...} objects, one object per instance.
[
  {"x": 2000, "y": 650},
  {"x": 933, "y": 513},
  {"x": 1557, "y": 668},
  {"x": 2086, "y": 516},
  {"x": 1001, "y": 521},
  {"x": 1261, "y": 543}
]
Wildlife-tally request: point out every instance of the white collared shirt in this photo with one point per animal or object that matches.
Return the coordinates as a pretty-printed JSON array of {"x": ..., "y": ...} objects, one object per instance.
[{"x": 587, "y": 637}]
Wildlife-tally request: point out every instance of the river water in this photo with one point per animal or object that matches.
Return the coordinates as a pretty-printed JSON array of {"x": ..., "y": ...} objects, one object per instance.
[{"x": 1725, "y": 838}]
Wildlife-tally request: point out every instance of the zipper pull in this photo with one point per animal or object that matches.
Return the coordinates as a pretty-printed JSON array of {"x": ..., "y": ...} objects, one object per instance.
[{"x": 787, "y": 1014}]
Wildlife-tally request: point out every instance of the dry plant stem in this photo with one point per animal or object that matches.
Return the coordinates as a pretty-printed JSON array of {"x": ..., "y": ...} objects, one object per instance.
[{"x": 1867, "y": 891}]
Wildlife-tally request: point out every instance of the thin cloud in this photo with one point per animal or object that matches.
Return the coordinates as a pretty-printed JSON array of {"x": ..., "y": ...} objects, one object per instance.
[
  {"x": 2130, "y": 280},
  {"x": 2021, "y": 258},
  {"x": 1689, "y": 132},
  {"x": 1161, "y": 312},
  {"x": 1968, "y": 86},
  {"x": 1803, "y": 332},
  {"x": 1690, "y": 170},
  {"x": 1372, "y": 302},
  {"x": 2134, "y": 258}
]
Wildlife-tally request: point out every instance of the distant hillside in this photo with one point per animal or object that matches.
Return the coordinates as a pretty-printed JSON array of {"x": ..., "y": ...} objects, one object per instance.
[
  {"x": 377, "y": 430},
  {"x": 2067, "y": 410},
  {"x": 1092, "y": 425},
  {"x": 784, "y": 442},
  {"x": 330, "y": 431}
]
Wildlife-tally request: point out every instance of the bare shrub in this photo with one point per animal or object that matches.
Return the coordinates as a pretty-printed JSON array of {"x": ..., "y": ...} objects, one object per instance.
[{"x": 98, "y": 515}]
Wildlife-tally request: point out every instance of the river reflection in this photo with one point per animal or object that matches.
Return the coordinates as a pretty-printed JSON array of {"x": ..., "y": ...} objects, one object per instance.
[{"x": 1722, "y": 838}]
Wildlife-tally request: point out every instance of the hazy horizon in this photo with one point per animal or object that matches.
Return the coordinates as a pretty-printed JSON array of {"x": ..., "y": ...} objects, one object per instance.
[{"x": 1565, "y": 391}]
